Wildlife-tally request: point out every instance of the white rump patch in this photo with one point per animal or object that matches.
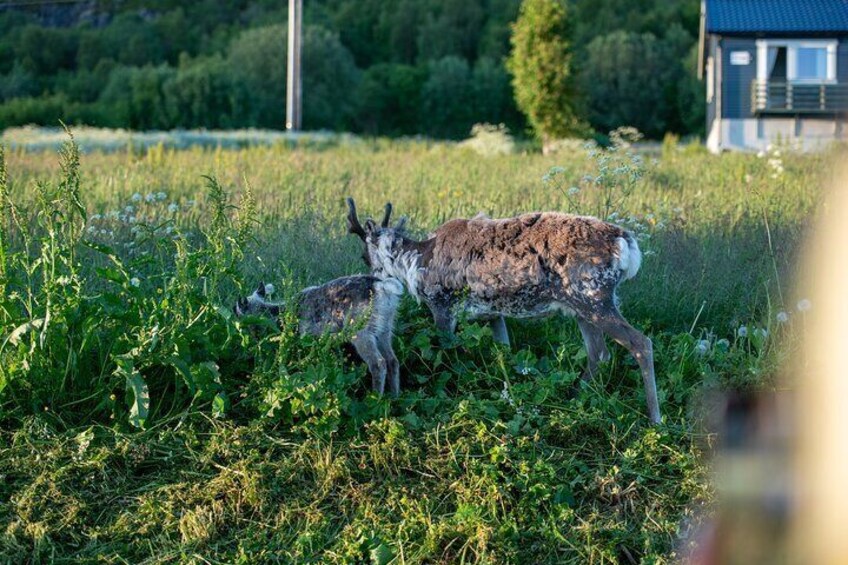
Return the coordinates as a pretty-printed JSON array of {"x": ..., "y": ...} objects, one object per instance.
[{"x": 629, "y": 257}]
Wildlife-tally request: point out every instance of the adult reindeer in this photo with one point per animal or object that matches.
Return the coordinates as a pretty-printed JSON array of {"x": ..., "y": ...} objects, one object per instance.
[{"x": 529, "y": 266}]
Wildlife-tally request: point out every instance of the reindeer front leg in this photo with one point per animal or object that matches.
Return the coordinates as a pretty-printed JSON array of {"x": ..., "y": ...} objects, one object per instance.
[{"x": 367, "y": 347}]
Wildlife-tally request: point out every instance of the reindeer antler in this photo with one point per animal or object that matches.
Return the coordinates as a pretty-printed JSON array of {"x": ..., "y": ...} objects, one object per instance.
[
  {"x": 353, "y": 225},
  {"x": 387, "y": 216}
]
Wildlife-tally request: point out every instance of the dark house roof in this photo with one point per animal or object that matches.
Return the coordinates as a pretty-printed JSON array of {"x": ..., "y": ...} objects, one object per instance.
[{"x": 776, "y": 16}]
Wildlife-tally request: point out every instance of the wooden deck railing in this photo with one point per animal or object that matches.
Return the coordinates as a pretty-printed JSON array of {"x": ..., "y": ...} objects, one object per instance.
[{"x": 789, "y": 97}]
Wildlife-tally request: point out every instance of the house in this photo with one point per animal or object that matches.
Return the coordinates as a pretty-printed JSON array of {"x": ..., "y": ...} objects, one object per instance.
[{"x": 775, "y": 70}]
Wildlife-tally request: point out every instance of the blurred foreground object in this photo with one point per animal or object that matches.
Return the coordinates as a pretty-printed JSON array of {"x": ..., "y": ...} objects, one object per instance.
[
  {"x": 820, "y": 534},
  {"x": 782, "y": 461}
]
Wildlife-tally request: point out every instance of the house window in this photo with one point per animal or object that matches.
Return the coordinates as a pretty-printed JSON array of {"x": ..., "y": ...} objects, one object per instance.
[
  {"x": 796, "y": 61},
  {"x": 811, "y": 63}
]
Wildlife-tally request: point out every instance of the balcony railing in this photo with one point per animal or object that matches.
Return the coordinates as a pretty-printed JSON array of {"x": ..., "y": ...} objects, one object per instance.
[{"x": 793, "y": 98}]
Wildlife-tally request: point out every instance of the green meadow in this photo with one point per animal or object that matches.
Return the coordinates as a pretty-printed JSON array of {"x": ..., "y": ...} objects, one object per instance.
[{"x": 140, "y": 422}]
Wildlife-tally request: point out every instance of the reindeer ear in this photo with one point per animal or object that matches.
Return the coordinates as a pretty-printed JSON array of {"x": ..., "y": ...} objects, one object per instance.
[
  {"x": 401, "y": 224},
  {"x": 261, "y": 290},
  {"x": 370, "y": 226}
]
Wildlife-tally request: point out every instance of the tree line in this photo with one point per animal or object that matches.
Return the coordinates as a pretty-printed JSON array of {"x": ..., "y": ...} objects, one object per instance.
[{"x": 378, "y": 67}]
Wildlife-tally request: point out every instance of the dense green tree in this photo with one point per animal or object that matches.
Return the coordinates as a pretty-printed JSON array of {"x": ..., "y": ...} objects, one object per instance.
[
  {"x": 200, "y": 94},
  {"x": 492, "y": 96},
  {"x": 17, "y": 83},
  {"x": 540, "y": 63},
  {"x": 388, "y": 99},
  {"x": 446, "y": 99},
  {"x": 624, "y": 80},
  {"x": 257, "y": 60},
  {"x": 221, "y": 63}
]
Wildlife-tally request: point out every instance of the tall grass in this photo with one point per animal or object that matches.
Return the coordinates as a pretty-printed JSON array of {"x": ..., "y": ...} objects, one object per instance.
[{"x": 141, "y": 421}]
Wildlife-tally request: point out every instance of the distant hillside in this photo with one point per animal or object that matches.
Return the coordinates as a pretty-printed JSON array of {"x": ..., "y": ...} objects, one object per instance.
[{"x": 388, "y": 67}]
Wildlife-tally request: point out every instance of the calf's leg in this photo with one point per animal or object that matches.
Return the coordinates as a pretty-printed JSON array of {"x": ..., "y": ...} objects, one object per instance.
[
  {"x": 366, "y": 346},
  {"x": 384, "y": 342}
]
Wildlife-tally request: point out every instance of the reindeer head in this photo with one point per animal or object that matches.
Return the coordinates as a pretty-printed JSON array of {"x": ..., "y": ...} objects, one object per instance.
[
  {"x": 387, "y": 250},
  {"x": 256, "y": 304},
  {"x": 354, "y": 227}
]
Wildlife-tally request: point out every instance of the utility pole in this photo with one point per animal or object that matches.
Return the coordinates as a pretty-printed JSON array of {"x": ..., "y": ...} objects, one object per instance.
[{"x": 294, "y": 102}]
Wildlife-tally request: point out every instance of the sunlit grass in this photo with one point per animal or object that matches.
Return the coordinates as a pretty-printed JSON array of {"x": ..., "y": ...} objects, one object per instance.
[{"x": 142, "y": 422}]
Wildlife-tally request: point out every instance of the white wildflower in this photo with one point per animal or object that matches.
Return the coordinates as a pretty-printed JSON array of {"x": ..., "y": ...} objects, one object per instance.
[
  {"x": 161, "y": 196},
  {"x": 742, "y": 331},
  {"x": 723, "y": 344},
  {"x": 506, "y": 396},
  {"x": 129, "y": 209},
  {"x": 136, "y": 197},
  {"x": 269, "y": 289},
  {"x": 804, "y": 305},
  {"x": 150, "y": 197},
  {"x": 761, "y": 333},
  {"x": 702, "y": 347},
  {"x": 173, "y": 207},
  {"x": 782, "y": 317},
  {"x": 573, "y": 190},
  {"x": 95, "y": 217},
  {"x": 135, "y": 282}
]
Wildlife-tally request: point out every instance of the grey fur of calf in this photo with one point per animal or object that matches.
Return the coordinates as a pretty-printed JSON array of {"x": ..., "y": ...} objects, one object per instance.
[{"x": 340, "y": 303}]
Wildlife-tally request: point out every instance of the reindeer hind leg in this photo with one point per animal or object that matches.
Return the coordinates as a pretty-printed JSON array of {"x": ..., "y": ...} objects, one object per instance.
[
  {"x": 609, "y": 320},
  {"x": 596, "y": 348}
]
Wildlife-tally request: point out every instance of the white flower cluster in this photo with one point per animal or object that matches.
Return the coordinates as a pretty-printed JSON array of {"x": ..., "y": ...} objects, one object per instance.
[
  {"x": 142, "y": 211},
  {"x": 775, "y": 161}
]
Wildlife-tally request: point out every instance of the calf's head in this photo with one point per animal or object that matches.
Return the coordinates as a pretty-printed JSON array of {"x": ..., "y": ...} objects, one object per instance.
[{"x": 256, "y": 304}]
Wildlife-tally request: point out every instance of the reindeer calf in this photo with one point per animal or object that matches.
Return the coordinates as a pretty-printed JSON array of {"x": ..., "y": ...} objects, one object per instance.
[{"x": 331, "y": 307}]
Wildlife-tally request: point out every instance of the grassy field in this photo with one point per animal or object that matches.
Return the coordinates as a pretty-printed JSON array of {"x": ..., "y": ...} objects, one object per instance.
[{"x": 142, "y": 423}]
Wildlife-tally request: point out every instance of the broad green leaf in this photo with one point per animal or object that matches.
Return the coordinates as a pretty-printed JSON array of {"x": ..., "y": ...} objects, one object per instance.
[
  {"x": 219, "y": 405},
  {"x": 381, "y": 555},
  {"x": 140, "y": 403},
  {"x": 184, "y": 370}
]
